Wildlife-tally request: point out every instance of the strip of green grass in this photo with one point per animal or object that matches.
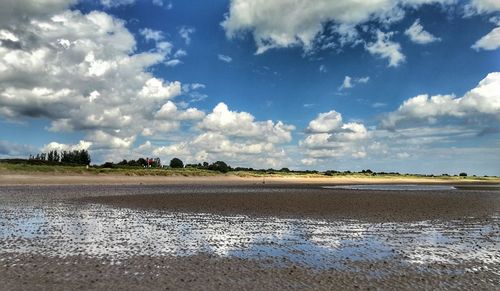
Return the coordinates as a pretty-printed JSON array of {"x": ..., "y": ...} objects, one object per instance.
[{"x": 24, "y": 168}]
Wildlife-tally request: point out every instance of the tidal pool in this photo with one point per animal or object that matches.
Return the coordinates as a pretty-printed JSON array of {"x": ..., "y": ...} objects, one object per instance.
[
  {"x": 95, "y": 230},
  {"x": 394, "y": 187}
]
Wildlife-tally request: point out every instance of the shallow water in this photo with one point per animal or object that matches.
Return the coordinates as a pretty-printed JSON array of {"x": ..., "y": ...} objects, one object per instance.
[
  {"x": 65, "y": 229},
  {"x": 393, "y": 187}
]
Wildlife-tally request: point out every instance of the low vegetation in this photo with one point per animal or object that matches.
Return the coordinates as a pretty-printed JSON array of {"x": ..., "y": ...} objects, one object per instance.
[{"x": 78, "y": 162}]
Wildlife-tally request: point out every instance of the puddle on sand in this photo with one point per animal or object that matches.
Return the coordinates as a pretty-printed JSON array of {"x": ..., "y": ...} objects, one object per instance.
[
  {"x": 393, "y": 187},
  {"x": 103, "y": 231}
]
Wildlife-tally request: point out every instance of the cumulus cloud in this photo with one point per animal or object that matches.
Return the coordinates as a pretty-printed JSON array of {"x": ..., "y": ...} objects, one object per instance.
[
  {"x": 82, "y": 72},
  {"x": 55, "y": 146},
  {"x": 288, "y": 23},
  {"x": 483, "y": 101},
  {"x": 169, "y": 111},
  {"x": 17, "y": 12},
  {"x": 233, "y": 136},
  {"x": 386, "y": 49},
  {"x": 329, "y": 137},
  {"x": 490, "y": 41},
  {"x": 417, "y": 130},
  {"x": 482, "y": 6},
  {"x": 243, "y": 124},
  {"x": 418, "y": 35},
  {"x": 325, "y": 122}
]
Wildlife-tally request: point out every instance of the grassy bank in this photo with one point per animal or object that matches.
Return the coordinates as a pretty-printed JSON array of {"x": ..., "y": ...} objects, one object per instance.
[{"x": 24, "y": 168}]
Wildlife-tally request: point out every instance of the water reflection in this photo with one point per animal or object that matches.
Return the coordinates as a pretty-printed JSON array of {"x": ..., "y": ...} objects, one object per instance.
[
  {"x": 393, "y": 187},
  {"x": 102, "y": 231}
]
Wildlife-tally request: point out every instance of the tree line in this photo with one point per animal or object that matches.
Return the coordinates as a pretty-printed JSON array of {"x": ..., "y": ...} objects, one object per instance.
[
  {"x": 82, "y": 157},
  {"x": 77, "y": 157}
]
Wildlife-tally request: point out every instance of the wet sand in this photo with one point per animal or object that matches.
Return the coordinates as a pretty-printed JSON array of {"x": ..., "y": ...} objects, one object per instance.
[
  {"x": 204, "y": 272},
  {"x": 256, "y": 237},
  {"x": 313, "y": 201}
]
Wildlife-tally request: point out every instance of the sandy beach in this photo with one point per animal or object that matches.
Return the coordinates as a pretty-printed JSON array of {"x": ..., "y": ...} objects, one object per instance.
[
  {"x": 230, "y": 232},
  {"x": 67, "y": 179}
]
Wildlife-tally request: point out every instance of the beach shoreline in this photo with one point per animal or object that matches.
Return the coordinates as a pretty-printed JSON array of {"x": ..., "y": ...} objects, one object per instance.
[{"x": 114, "y": 179}]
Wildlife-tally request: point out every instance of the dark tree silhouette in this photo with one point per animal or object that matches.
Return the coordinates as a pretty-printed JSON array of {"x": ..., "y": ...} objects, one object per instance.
[
  {"x": 219, "y": 166},
  {"x": 176, "y": 163}
]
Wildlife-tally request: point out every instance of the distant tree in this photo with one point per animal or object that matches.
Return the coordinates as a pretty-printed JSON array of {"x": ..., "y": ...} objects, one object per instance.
[
  {"x": 108, "y": 165},
  {"x": 463, "y": 174},
  {"x": 219, "y": 166},
  {"x": 142, "y": 162},
  {"x": 50, "y": 156},
  {"x": 84, "y": 157},
  {"x": 286, "y": 170},
  {"x": 123, "y": 163},
  {"x": 133, "y": 163},
  {"x": 331, "y": 172},
  {"x": 176, "y": 163},
  {"x": 156, "y": 163}
]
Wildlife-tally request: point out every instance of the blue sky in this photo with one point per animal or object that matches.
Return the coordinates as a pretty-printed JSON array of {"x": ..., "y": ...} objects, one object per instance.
[{"x": 407, "y": 86}]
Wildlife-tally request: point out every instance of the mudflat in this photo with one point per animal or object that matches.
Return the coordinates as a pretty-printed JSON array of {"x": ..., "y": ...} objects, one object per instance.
[
  {"x": 312, "y": 201},
  {"x": 254, "y": 236}
]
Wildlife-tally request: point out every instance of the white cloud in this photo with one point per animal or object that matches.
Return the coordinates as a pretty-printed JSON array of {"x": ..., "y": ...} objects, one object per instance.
[
  {"x": 483, "y": 6},
  {"x": 170, "y": 111},
  {"x": 418, "y": 130},
  {"x": 104, "y": 140},
  {"x": 325, "y": 122},
  {"x": 185, "y": 32},
  {"x": 173, "y": 63},
  {"x": 350, "y": 82},
  {"x": 288, "y": 23},
  {"x": 235, "y": 137},
  {"x": 328, "y": 137},
  {"x": 363, "y": 80},
  {"x": 378, "y": 104},
  {"x": 116, "y": 3},
  {"x": 490, "y": 41},
  {"x": 224, "y": 58},
  {"x": 180, "y": 53},
  {"x": 243, "y": 124},
  {"x": 418, "y": 35},
  {"x": 155, "y": 88},
  {"x": 482, "y": 101},
  {"x": 55, "y": 146},
  {"x": 387, "y": 49},
  {"x": 309, "y": 161},
  {"x": 323, "y": 69},
  {"x": 159, "y": 3},
  {"x": 347, "y": 83},
  {"x": 82, "y": 73},
  {"x": 175, "y": 150},
  {"x": 13, "y": 13},
  {"x": 151, "y": 34}
]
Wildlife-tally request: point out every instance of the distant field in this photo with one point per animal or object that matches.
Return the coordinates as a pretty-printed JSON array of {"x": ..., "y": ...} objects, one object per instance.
[{"x": 23, "y": 168}]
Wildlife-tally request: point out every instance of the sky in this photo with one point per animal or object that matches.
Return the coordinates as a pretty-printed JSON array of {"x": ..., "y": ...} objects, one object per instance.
[{"x": 388, "y": 85}]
